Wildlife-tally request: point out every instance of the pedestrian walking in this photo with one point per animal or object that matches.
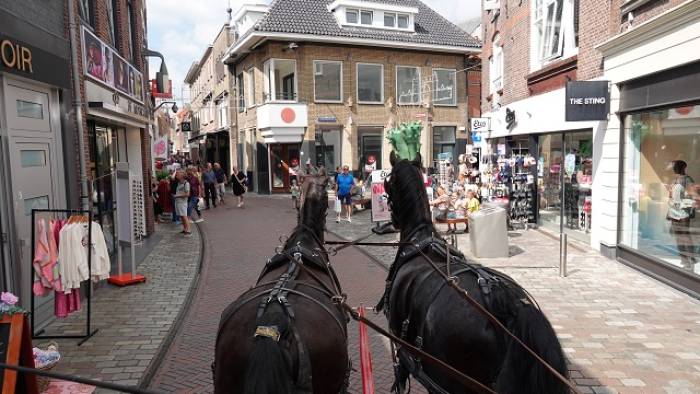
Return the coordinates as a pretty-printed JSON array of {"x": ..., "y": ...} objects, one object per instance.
[
  {"x": 681, "y": 211},
  {"x": 173, "y": 191},
  {"x": 209, "y": 181},
  {"x": 343, "y": 190},
  {"x": 157, "y": 208},
  {"x": 239, "y": 183},
  {"x": 221, "y": 180},
  {"x": 195, "y": 194},
  {"x": 182, "y": 196},
  {"x": 296, "y": 193}
]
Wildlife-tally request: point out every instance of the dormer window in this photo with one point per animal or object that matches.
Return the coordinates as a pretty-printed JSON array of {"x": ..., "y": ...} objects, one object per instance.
[{"x": 374, "y": 15}]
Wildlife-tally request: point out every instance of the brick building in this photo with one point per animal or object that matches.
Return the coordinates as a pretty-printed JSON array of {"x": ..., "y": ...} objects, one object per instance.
[
  {"x": 640, "y": 52},
  {"x": 210, "y": 85},
  {"x": 321, "y": 82}
]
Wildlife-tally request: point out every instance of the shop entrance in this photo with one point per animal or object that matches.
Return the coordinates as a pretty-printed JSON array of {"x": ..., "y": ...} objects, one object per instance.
[
  {"x": 281, "y": 155},
  {"x": 370, "y": 139},
  {"x": 565, "y": 169}
]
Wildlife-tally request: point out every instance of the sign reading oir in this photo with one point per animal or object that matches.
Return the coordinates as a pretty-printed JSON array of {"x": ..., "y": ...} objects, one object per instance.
[{"x": 587, "y": 100}]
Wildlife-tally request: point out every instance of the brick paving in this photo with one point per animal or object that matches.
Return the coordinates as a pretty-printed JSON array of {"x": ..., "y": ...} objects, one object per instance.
[
  {"x": 238, "y": 242},
  {"x": 623, "y": 331},
  {"x": 132, "y": 321}
]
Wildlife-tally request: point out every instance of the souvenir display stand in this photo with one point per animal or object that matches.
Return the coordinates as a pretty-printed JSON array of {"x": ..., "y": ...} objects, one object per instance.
[{"x": 65, "y": 214}]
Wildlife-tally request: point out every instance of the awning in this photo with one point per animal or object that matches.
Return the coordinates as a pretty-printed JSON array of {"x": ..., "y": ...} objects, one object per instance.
[{"x": 117, "y": 114}]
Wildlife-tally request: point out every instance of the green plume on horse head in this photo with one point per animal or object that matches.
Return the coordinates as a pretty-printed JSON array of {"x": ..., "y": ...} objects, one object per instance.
[{"x": 405, "y": 140}]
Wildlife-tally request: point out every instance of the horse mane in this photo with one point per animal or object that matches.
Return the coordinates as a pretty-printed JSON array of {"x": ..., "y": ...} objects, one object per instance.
[
  {"x": 407, "y": 191},
  {"x": 312, "y": 212}
]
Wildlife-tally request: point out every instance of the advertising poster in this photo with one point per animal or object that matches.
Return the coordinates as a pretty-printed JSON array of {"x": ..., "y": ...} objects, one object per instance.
[{"x": 380, "y": 205}]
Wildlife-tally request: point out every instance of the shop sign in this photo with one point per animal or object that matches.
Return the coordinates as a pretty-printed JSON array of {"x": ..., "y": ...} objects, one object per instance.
[
  {"x": 23, "y": 59},
  {"x": 185, "y": 126},
  {"x": 479, "y": 125},
  {"x": 380, "y": 205},
  {"x": 101, "y": 63},
  {"x": 327, "y": 119},
  {"x": 587, "y": 100},
  {"x": 476, "y": 137}
]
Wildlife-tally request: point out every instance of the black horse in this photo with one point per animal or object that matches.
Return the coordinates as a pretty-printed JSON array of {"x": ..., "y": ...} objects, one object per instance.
[
  {"x": 287, "y": 334},
  {"x": 422, "y": 308}
]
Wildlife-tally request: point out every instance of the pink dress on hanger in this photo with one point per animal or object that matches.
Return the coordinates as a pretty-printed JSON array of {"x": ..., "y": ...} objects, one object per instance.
[
  {"x": 42, "y": 260},
  {"x": 64, "y": 303}
]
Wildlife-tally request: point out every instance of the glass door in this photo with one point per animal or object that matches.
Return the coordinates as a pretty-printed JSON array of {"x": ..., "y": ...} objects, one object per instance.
[
  {"x": 280, "y": 157},
  {"x": 578, "y": 182},
  {"x": 104, "y": 158},
  {"x": 549, "y": 167}
]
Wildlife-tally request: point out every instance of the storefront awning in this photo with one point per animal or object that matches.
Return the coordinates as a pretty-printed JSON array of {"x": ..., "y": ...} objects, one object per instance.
[{"x": 116, "y": 114}]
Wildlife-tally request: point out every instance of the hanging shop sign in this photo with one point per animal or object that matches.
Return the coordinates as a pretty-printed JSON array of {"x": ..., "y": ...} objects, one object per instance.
[
  {"x": 380, "y": 205},
  {"x": 480, "y": 125},
  {"x": 587, "y": 100},
  {"x": 101, "y": 63},
  {"x": 28, "y": 61}
]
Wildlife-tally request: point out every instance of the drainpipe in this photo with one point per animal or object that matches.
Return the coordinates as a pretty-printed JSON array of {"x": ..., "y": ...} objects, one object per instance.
[{"x": 78, "y": 105}]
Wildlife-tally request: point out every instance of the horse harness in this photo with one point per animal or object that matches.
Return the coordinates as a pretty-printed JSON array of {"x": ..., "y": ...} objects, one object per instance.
[{"x": 486, "y": 281}]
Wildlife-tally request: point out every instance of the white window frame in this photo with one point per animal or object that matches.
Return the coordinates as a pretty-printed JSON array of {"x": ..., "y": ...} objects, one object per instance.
[
  {"x": 269, "y": 88},
  {"x": 408, "y": 21},
  {"x": 357, "y": 14},
  {"x": 341, "y": 80},
  {"x": 222, "y": 109},
  {"x": 420, "y": 82},
  {"x": 371, "y": 14},
  {"x": 543, "y": 37},
  {"x": 357, "y": 83},
  {"x": 454, "y": 89},
  {"x": 394, "y": 18},
  {"x": 496, "y": 66},
  {"x": 250, "y": 80}
]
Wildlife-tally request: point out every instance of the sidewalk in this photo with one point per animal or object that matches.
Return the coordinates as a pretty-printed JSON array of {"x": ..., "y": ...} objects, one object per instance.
[
  {"x": 133, "y": 321},
  {"x": 623, "y": 331}
]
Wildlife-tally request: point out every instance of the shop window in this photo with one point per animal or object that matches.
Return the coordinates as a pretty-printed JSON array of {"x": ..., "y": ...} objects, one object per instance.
[
  {"x": 280, "y": 81},
  {"x": 554, "y": 31},
  {"x": 328, "y": 81},
  {"x": 408, "y": 83},
  {"x": 241, "y": 92},
  {"x": 661, "y": 185},
  {"x": 370, "y": 83},
  {"x": 496, "y": 65},
  {"x": 444, "y": 87},
  {"x": 87, "y": 11},
  {"x": 444, "y": 141}
]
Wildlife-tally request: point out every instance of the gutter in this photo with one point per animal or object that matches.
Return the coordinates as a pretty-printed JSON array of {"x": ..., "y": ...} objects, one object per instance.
[{"x": 78, "y": 105}]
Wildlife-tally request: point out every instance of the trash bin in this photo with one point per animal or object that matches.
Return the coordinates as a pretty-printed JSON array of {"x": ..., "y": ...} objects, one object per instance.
[{"x": 488, "y": 234}]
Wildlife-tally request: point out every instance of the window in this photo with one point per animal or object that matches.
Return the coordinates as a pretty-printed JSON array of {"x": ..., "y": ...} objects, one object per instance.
[
  {"x": 132, "y": 32},
  {"x": 370, "y": 83},
  {"x": 366, "y": 17},
  {"x": 555, "y": 30},
  {"x": 279, "y": 80},
  {"x": 328, "y": 81},
  {"x": 27, "y": 109},
  {"x": 241, "y": 92},
  {"x": 111, "y": 22},
  {"x": 444, "y": 87},
  {"x": 33, "y": 158},
  {"x": 389, "y": 19},
  {"x": 251, "y": 87},
  {"x": 403, "y": 21},
  {"x": 222, "y": 108},
  {"x": 443, "y": 141},
  {"x": 496, "y": 66},
  {"x": 87, "y": 13},
  {"x": 351, "y": 16},
  {"x": 408, "y": 85}
]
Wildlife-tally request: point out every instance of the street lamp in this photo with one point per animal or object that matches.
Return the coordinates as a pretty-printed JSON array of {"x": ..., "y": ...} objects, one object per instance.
[{"x": 173, "y": 108}]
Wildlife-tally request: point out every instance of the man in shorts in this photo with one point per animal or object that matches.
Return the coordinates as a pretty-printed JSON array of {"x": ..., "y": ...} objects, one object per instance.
[{"x": 343, "y": 189}]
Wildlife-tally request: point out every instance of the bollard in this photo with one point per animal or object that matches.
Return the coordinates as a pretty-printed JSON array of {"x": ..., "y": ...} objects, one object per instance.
[{"x": 562, "y": 254}]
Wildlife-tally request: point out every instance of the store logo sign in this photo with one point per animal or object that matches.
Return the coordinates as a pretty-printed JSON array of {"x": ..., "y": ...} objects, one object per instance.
[
  {"x": 587, "y": 100},
  {"x": 479, "y": 125},
  {"x": 16, "y": 56}
]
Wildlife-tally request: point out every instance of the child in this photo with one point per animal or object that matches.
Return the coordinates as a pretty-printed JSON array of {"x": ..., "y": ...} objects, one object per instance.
[
  {"x": 472, "y": 202},
  {"x": 296, "y": 193}
]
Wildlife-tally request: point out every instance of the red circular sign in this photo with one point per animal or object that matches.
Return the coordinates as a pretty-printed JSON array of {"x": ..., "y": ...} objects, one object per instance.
[
  {"x": 684, "y": 110},
  {"x": 288, "y": 115}
]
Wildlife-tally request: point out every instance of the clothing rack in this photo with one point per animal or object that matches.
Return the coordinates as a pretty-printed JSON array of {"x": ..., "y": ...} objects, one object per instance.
[{"x": 88, "y": 331}]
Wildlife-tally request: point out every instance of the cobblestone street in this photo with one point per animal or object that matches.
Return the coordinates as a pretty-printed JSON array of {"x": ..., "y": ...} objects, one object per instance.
[
  {"x": 622, "y": 331},
  {"x": 132, "y": 321}
]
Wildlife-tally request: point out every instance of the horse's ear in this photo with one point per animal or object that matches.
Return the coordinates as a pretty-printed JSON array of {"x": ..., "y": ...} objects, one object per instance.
[{"x": 392, "y": 158}]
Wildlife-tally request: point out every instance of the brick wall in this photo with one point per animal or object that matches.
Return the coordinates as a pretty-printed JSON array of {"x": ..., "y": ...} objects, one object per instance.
[
  {"x": 648, "y": 10},
  {"x": 384, "y": 115},
  {"x": 100, "y": 29}
]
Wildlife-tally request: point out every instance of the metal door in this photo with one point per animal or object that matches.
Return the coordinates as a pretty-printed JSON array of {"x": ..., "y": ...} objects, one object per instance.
[{"x": 32, "y": 163}]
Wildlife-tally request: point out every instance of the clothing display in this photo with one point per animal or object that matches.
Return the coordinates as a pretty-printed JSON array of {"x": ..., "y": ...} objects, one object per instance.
[{"x": 61, "y": 261}]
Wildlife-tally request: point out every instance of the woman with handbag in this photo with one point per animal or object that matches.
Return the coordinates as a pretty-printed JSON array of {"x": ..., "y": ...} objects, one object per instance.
[
  {"x": 238, "y": 183},
  {"x": 680, "y": 213}
]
